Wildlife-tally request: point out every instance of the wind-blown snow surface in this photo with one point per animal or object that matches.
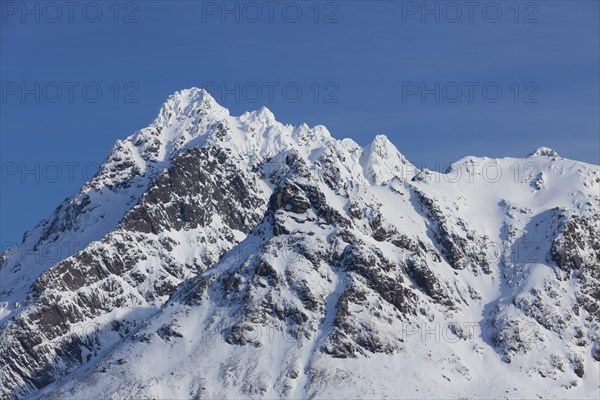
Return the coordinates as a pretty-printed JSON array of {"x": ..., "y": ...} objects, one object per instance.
[{"x": 222, "y": 256}]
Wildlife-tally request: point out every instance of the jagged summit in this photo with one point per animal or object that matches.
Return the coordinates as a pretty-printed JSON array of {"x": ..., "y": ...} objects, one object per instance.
[
  {"x": 263, "y": 114},
  {"x": 543, "y": 152},
  {"x": 238, "y": 257},
  {"x": 192, "y": 103},
  {"x": 382, "y": 162}
]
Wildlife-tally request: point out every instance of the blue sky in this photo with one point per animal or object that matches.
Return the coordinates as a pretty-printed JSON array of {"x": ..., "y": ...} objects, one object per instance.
[{"x": 359, "y": 67}]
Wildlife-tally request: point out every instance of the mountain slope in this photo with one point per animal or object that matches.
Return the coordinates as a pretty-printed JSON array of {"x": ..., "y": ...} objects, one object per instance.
[{"x": 255, "y": 259}]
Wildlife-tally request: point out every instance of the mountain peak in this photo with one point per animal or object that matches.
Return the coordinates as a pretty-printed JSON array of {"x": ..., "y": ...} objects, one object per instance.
[
  {"x": 263, "y": 115},
  {"x": 191, "y": 102},
  {"x": 384, "y": 146},
  {"x": 381, "y": 140},
  {"x": 382, "y": 161},
  {"x": 543, "y": 152}
]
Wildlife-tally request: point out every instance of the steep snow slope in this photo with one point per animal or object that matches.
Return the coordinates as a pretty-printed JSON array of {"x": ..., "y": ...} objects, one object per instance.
[
  {"x": 101, "y": 203},
  {"x": 263, "y": 260}
]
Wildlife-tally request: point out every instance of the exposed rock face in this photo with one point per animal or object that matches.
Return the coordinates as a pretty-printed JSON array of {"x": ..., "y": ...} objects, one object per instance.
[{"x": 255, "y": 259}]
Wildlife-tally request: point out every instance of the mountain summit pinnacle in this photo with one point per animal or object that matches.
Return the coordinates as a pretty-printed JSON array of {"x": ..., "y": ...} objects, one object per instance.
[
  {"x": 382, "y": 161},
  {"x": 191, "y": 103},
  {"x": 544, "y": 152}
]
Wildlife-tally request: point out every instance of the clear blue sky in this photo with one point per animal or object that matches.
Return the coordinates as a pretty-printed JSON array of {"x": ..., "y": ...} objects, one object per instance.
[{"x": 366, "y": 61}]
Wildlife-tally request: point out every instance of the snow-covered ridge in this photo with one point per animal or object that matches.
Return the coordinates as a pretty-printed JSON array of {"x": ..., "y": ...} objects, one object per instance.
[
  {"x": 309, "y": 259},
  {"x": 183, "y": 121}
]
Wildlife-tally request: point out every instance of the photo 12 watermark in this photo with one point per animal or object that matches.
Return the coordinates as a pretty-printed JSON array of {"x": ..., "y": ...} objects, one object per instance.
[
  {"x": 269, "y": 92},
  {"x": 47, "y": 253},
  {"x": 47, "y": 172},
  {"x": 453, "y": 12},
  {"x": 252, "y": 12},
  {"x": 470, "y": 92},
  {"x": 69, "y": 92},
  {"x": 53, "y": 12},
  {"x": 478, "y": 171}
]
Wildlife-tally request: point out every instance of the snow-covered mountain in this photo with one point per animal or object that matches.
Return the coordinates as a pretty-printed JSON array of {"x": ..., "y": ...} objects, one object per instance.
[{"x": 223, "y": 256}]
